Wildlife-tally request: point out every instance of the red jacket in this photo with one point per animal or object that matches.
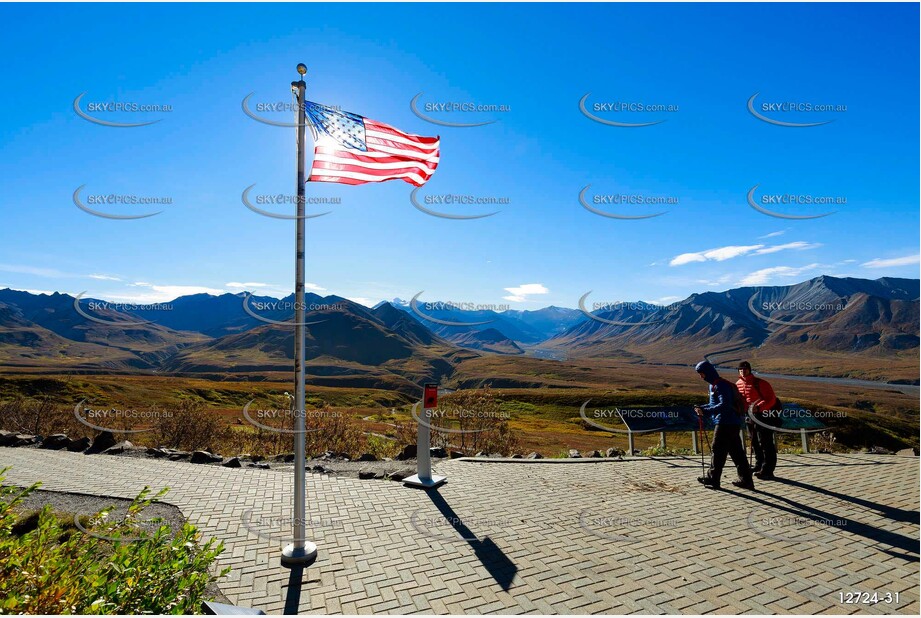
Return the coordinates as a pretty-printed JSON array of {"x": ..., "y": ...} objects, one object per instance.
[{"x": 757, "y": 391}]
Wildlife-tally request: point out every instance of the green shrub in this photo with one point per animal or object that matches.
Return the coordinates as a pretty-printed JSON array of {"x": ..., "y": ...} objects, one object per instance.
[{"x": 55, "y": 568}]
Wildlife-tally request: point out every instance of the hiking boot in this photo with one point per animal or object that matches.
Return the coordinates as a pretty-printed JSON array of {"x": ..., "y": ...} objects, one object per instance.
[
  {"x": 765, "y": 476},
  {"x": 708, "y": 482},
  {"x": 743, "y": 484}
]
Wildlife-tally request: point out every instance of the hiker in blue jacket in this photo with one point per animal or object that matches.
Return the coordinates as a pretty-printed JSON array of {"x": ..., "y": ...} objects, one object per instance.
[{"x": 726, "y": 437}]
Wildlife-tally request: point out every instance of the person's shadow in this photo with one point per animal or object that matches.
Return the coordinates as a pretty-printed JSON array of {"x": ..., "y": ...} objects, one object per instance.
[
  {"x": 910, "y": 546},
  {"x": 490, "y": 555},
  {"x": 891, "y": 512}
]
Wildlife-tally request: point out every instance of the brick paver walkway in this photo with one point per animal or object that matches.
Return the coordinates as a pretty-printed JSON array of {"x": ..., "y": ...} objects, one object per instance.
[{"x": 634, "y": 536}]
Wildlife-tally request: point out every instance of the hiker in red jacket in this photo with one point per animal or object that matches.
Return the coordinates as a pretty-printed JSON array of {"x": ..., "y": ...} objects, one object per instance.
[{"x": 761, "y": 403}]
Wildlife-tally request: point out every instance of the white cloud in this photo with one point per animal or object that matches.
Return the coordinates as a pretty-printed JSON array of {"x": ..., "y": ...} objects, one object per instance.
[
  {"x": 798, "y": 245},
  {"x": 712, "y": 283},
  {"x": 520, "y": 294},
  {"x": 163, "y": 293},
  {"x": 255, "y": 285},
  {"x": 30, "y": 291},
  {"x": 774, "y": 234},
  {"x": 687, "y": 258},
  {"x": 888, "y": 262},
  {"x": 665, "y": 300},
  {"x": 104, "y": 277},
  {"x": 719, "y": 254},
  {"x": 763, "y": 276},
  {"x": 722, "y": 254},
  {"x": 361, "y": 300}
]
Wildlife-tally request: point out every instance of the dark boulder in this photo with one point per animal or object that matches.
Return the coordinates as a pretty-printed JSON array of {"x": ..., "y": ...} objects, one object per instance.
[
  {"x": 101, "y": 442},
  {"x": 26, "y": 439},
  {"x": 79, "y": 445},
  {"x": 409, "y": 452},
  {"x": 204, "y": 457},
  {"x": 56, "y": 442}
]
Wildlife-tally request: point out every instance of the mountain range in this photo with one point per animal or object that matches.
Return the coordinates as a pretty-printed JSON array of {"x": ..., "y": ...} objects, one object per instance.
[{"x": 824, "y": 325}]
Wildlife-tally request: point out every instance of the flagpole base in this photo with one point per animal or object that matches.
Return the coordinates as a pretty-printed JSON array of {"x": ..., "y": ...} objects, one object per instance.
[
  {"x": 293, "y": 557},
  {"x": 416, "y": 481}
]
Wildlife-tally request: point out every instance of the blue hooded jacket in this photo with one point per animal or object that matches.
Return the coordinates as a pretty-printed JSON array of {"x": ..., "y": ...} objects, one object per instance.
[{"x": 722, "y": 394}]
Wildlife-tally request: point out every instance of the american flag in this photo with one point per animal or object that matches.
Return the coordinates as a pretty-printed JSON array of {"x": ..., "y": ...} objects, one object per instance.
[{"x": 353, "y": 150}]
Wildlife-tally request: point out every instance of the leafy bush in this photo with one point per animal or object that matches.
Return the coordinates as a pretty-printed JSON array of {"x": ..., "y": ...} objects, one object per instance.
[
  {"x": 54, "y": 568},
  {"x": 482, "y": 419},
  {"x": 40, "y": 417},
  {"x": 187, "y": 426}
]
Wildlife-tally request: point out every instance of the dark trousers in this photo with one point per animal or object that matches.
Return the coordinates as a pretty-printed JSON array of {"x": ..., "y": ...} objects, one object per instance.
[
  {"x": 764, "y": 449},
  {"x": 727, "y": 441}
]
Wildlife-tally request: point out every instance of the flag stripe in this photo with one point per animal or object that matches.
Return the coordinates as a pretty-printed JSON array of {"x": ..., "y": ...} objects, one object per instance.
[
  {"x": 411, "y": 178},
  {"x": 371, "y": 125},
  {"x": 388, "y": 138},
  {"x": 368, "y": 157},
  {"x": 322, "y": 166}
]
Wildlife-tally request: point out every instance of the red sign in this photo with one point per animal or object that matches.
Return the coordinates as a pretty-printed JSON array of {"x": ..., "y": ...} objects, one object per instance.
[{"x": 431, "y": 396}]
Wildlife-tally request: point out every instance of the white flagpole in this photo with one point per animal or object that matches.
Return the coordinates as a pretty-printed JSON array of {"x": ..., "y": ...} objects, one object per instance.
[{"x": 300, "y": 553}]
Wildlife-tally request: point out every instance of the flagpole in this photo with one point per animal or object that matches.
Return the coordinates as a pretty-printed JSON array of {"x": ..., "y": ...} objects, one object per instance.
[{"x": 300, "y": 553}]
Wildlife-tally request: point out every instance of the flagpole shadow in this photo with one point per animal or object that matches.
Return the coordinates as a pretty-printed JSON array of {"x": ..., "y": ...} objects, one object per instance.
[{"x": 293, "y": 595}]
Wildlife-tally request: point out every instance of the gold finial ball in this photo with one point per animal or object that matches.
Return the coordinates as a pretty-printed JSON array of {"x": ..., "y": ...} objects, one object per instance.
[{"x": 302, "y": 69}]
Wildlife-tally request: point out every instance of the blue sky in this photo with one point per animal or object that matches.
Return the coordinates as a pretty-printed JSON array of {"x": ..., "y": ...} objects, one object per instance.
[{"x": 542, "y": 247}]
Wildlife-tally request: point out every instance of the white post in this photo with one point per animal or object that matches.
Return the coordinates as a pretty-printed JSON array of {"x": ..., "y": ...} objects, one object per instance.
[
  {"x": 805, "y": 440},
  {"x": 423, "y": 477},
  {"x": 629, "y": 443},
  {"x": 300, "y": 553},
  {"x": 694, "y": 446}
]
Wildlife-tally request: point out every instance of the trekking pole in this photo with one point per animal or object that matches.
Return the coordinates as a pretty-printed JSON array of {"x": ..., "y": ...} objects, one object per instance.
[
  {"x": 700, "y": 422},
  {"x": 750, "y": 428}
]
